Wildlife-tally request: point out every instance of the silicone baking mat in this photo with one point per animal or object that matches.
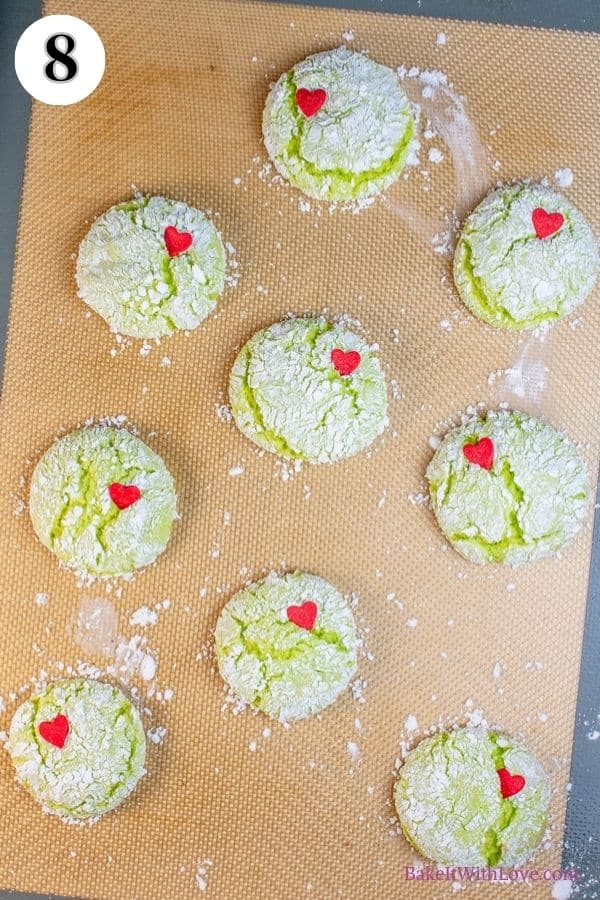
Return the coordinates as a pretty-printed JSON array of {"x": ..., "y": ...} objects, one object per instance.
[{"x": 234, "y": 805}]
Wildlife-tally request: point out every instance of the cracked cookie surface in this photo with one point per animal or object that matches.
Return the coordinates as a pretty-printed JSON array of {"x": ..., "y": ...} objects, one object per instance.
[
  {"x": 273, "y": 664},
  {"x": 356, "y": 144},
  {"x": 528, "y": 505},
  {"x": 509, "y": 276},
  {"x": 72, "y": 511},
  {"x": 103, "y": 755},
  {"x": 126, "y": 274},
  {"x": 288, "y": 397},
  {"x": 451, "y": 807}
]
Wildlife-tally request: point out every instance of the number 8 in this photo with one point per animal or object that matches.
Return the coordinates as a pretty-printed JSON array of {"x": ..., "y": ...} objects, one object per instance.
[{"x": 60, "y": 56}]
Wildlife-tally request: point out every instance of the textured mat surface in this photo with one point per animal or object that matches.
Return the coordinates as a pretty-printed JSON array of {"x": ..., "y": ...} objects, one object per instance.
[{"x": 226, "y": 805}]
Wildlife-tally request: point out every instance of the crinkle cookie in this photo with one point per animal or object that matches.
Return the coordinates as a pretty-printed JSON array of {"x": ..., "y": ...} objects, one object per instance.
[
  {"x": 508, "y": 489},
  {"x": 287, "y": 645},
  {"x": 78, "y": 747},
  {"x": 102, "y": 501},
  {"x": 338, "y": 126},
  {"x": 310, "y": 390},
  {"x": 472, "y": 797},
  {"x": 525, "y": 257},
  {"x": 151, "y": 266}
]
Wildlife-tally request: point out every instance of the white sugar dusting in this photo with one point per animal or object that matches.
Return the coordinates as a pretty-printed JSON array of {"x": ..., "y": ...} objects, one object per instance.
[
  {"x": 143, "y": 617},
  {"x": 563, "y": 177},
  {"x": 133, "y": 659},
  {"x": 202, "y": 871},
  {"x": 353, "y": 751},
  {"x": 523, "y": 384},
  {"x": 434, "y": 97},
  {"x": 96, "y": 626},
  {"x": 562, "y": 890}
]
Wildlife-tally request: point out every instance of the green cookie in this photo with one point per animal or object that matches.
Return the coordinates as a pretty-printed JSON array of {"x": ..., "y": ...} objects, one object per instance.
[
  {"x": 102, "y": 501},
  {"x": 508, "y": 489},
  {"x": 525, "y": 257},
  {"x": 78, "y": 747},
  {"x": 151, "y": 266},
  {"x": 338, "y": 126},
  {"x": 287, "y": 645},
  {"x": 472, "y": 797},
  {"x": 310, "y": 390}
]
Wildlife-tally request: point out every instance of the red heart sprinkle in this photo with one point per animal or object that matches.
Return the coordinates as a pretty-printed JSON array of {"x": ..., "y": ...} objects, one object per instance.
[
  {"x": 481, "y": 453},
  {"x": 310, "y": 102},
  {"x": 345, "y": 363},
  {"x": 124, "y": 495},
  {"x": 510, "y": 784},
  {"x": 303, "y": 616},
  {"x": 55, "y": 731},
  {"x": 546, "y": 223},
  {"x": 177, "y": 242}
]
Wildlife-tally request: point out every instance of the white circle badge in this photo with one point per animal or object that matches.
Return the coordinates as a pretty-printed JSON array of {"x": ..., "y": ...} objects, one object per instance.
[{"x": 59, "y": 60}]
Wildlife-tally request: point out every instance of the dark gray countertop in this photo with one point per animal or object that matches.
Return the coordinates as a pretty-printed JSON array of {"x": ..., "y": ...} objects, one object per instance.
[{"x": 582, "y": 835}]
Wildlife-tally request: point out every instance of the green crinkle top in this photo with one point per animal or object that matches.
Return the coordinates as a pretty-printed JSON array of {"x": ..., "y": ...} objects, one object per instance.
[
  {"x": 528, "y": 505},
  {"x": 510, "y": 277},
  {"x": 125, "y": 273},
  {"x": 273, "y": 664},
  {"x": 356, "y": 144},
  {"x": 72, "y": 512},
  {"x": 450, "y": 806},
  {"x": 287, "y": 396},
  {"x": 103, "y": 756}
]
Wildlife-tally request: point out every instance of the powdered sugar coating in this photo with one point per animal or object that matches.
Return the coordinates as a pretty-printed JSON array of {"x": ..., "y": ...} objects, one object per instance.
[
  {"x": 287, "y": 396},
  {"x": 510, "y": 277},
  {"x": 276, "y": 666},
  {"x": 72, "y": 512},
  {"x": 530, "y": 504},
  {"x": 125, "y": 273},
  {"x": 356, "y": 144},
  {"x": 449, "y": 803},
  {"x": 102, "y": 758}
]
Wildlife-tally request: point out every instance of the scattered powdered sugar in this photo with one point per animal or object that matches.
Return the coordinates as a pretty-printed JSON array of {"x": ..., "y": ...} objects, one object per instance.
[
  {"x": 235, "y": 471},
  {"x": 286, "y": 470},
  {"x": 474, "y": 717},
  {"x": 411, "y": 724},
  {"x": 143, "y": 617},
  {"x": 564, "y": 177},
  {"x": 223, "y": 412},
  {"x": 133, "y": 659},
  {"x": 357, "y": 687},
  {"x": 434, "y": 155},
  {"x": 202, "y": 871},
  {"x": 440, "y": 39},
  {"x": 96, "y": 626},
  {"x": 353, "y": 751},
  {"x": 157, "y": 734},
  {"x": 41, "y": 599},
  {"x": 562, "y": 890},
  {"x": 447, "y": 114},
  {"x": 524, "y": 382}
]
